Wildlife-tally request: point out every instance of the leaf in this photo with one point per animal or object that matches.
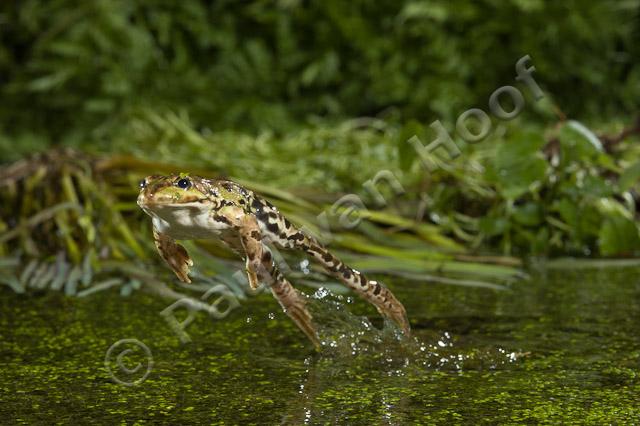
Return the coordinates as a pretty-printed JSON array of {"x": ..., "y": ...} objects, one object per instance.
[
  {"x": 540, "y": 243},
  {"x": 126, "y": 289},
  {"x": 598, "y": 186},
  {"x": 579, "y": 263},
  {"x": 9, "y": 262},
  {"x": 27, "y": 272},
  {"x": 629, "y": 177},
  {"x": 62, "y": 267},
  {"x": 13, "y": 282},
  {"x": 42, "y": 277},
  {"x": 406, "y": 151},
  {"x": 529, "y": 214},
  {"x": 568, "y": 212},
  {"x": 586, "y": 133},
  {"x": 578, "y": 143},
  {"x": 492, "y": 226},
  {"x": 423, "y": 10},
  {"x": 50, "y": 81},
  {"x": 71, "y": 286},
  {"x": 87, "y": 270},
  {"x": 518, "y": 164},
  {"x": 450, "y": 281},
  {"x": 619, "y": 236},
  {"x": 103, "y": 285}
]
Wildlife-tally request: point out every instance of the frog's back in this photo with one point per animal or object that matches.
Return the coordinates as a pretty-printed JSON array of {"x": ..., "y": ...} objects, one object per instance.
[{"x": 275, "y": 228}]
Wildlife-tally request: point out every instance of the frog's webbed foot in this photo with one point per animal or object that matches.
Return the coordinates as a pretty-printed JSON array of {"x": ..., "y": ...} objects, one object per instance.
[
  {"x": 294, "y": 306},
  {"x": 390, "y": 307},
  {"x": 174, "y": 254}
]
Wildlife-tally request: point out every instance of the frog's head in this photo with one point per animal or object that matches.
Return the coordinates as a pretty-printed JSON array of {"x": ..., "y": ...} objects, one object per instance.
[
  {"x": 180, "y": 205},
  {"x": 171, "y": 192}
]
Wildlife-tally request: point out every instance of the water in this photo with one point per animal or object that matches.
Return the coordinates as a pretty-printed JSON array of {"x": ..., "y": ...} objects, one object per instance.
[{"x": 560, "y": 347}]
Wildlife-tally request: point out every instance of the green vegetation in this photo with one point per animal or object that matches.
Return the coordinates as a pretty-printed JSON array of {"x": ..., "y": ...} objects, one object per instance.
[
  {"x": 266, "y": 92},
  {"x": 76, "y": 70},
  {"x": 307, "y": 102}
]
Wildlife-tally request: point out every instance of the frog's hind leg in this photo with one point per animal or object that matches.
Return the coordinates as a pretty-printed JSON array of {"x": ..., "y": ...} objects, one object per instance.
[
  {"x": 260, "y": 263},
  {"x": 294, "y": 306},
  {"x": 372, "y": 291}
]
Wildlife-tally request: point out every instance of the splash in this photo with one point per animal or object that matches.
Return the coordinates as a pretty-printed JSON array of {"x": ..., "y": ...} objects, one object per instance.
[{"x": 344, "y": 335}]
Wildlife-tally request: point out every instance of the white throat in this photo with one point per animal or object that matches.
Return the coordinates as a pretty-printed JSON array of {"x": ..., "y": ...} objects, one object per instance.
[{"x": 190, "y": 221}]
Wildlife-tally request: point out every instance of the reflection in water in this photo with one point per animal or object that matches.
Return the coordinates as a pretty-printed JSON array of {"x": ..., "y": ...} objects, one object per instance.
[{"x": 325, "y": 380}]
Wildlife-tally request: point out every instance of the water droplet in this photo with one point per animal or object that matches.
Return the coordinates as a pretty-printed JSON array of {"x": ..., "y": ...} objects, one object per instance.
[
  {"x": 304, "y": 266},
  {"x": 321, "y": 293}
]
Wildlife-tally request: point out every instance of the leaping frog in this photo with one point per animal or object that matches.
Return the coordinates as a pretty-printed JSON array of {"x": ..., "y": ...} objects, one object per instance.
[{"x": 184, "y": 207}]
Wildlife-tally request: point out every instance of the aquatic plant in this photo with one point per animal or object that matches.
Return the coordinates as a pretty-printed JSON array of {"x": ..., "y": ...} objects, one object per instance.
[
  {"x": 519, "y": 191},
  {"x": 69, "y": 222}
]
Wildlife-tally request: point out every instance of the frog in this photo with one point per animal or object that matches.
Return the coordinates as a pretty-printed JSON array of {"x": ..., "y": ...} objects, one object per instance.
[{"x": 189, "y": 207}]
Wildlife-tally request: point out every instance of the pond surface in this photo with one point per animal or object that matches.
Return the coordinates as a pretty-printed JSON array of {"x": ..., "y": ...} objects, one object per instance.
[{"x": 562, "y": 346}]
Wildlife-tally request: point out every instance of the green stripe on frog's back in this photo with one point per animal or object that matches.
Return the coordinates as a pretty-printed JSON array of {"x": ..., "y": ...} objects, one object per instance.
[{"x": 277, "y": 227}]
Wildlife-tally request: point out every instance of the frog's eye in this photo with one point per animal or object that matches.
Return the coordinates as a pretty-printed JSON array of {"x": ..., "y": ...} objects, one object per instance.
[
  {"x": 183, "y": 183},
  {"x": 143, "y": 184}
]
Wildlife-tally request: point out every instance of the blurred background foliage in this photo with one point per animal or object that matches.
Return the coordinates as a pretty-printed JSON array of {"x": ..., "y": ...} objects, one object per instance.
[
  {"x": 306, "y": 101},
  {"x": 72, "y": 70}
]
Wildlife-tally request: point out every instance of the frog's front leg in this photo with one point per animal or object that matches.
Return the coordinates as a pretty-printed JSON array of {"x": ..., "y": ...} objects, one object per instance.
[
  {"x": 252, "y": 275},
  {"x": 261, "y": 263},
  {"x": 174, "y": 254}
]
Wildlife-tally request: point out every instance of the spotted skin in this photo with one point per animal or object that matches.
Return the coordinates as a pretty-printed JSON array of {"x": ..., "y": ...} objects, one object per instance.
[
  {"x": 190, "y": 207},
  {"x": 174, "y": 254}
]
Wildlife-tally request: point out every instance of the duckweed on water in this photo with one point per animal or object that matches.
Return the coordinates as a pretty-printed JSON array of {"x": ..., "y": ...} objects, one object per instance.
[{"x": 576, "y": 361}]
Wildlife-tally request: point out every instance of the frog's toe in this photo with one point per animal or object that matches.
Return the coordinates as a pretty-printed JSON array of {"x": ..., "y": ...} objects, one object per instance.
[
  {"x": 303, "y": 320},
  {"x": 396, "y": 313},
  {"x": 184, "y": 277},
  {"x": 181, "y": 266},
  {"x": 401, "y": 319},
  {"x": 294, "y": 306},
  {"x": 253, "y": 279}
]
